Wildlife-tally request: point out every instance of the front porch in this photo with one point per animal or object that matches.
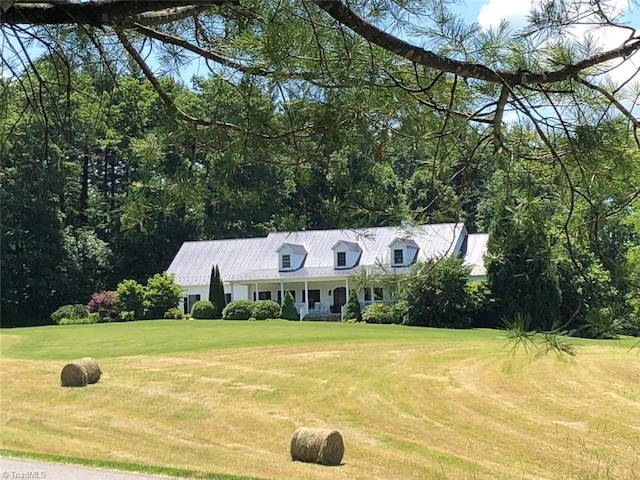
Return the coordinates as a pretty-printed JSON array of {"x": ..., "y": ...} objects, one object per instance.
[{"x": 314, "y": 299}]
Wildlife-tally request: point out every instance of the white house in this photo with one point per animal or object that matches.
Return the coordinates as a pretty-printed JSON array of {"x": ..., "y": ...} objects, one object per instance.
[{"x": 316, "y": 266}]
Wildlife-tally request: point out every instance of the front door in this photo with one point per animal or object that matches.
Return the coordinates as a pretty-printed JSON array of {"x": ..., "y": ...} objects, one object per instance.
[
  {"x": 314, "y": 297},
  {"x": 339, "y": 298},
  {"x": 189, "y": 301}
]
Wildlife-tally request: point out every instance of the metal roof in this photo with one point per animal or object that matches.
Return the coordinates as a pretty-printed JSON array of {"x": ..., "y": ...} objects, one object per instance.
[
  {"x": 293, "y": 248},
  {"x": 407, "y": 241},
  {"x": 351, "y": 246},
  {"x": 252, "y": 259},
  {"x": 476, "y": 250}
]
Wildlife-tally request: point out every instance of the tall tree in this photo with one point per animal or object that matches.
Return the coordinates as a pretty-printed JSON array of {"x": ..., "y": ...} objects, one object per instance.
[
  {"x": 216, "y": 290},
  {"x": 520, "y": 269}
]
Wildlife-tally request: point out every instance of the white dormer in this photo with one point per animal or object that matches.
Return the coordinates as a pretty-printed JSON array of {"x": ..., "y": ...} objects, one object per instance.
[
  {"x": 291, "y": 257},
  {"x": 346, "y": 254},
  {"x": 403, "y": 252}
]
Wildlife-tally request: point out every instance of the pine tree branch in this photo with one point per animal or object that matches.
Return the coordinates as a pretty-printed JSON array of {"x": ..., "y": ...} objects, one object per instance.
[
  {"x": 202, "y": 52},
  {"x": 123, "y": 12},
  {"x": 621, "y": 108},
  {"x": 497, "y": 118},
  {"x": 345, "y": 16},
  {"x": 169, "y": 103},
  {"x": 171, "y": 106},
  {"x": 99, "y": 12}
]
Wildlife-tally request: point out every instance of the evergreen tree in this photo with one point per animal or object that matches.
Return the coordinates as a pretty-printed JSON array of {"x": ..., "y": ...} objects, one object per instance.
[
  {"x": 520, "y": 270},
  {"x": 213, "y": 279},
  {"x": 289, "y": 311},
  {"x": 216, "y": 290},
  {"x": 353, "y": 310}
]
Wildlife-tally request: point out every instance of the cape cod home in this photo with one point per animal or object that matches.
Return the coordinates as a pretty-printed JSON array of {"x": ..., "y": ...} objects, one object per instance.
[{"x": 319, "y": 267}]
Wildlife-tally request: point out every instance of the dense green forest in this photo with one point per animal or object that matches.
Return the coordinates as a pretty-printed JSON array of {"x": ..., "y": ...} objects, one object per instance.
[{"x": 104, "y": 175}]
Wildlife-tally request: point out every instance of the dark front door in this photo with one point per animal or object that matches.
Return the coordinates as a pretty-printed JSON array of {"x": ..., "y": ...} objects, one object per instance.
[
  {"x": 190, "y": 300},
  {"x": 314, "y": 297},
  {"x": 339, "y": 298}
]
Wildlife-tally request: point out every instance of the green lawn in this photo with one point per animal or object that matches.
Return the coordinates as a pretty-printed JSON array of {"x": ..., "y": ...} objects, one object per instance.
[
  {"x": 211, "y": 398},
  {"x": 164, "y": 337}
]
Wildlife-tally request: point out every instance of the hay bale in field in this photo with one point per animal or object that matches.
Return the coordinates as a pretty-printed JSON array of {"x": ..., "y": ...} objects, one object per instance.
[
  {"x": 80, "y": 373},
  {"x": 317, "y": 445}
]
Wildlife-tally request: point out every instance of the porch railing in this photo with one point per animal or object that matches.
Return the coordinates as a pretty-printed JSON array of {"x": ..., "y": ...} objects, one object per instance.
[{"x": 302, "y": 310}]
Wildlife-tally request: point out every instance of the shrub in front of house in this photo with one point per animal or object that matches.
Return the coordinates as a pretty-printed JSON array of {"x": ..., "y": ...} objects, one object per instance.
[
  {"x": 480, "y": 304},
  {"x": 127, "y": 316},
  {"x": 91, "y": 318},
  {"x": 238, "y": 310},
  {"x": 72, "y": 312},
  {"x": 436, "y": 294},
  {"x": 400, "y": 312},
  {"x": 105, "y": 304},
  {"x": 288, "y": 310},
  {"x": 161, "y": 294},
  {"x": 353, "y": 310},
  {"x": 130, "y": 297},
  {"x": 204, "y": 310},
  {"x": 379, "y": 313},
  {"x": 264, "y": 309},
  {"x": 174, "y": 313}
]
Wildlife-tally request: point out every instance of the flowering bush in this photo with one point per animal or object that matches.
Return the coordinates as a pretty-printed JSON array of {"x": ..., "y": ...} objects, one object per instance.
[{"x": 104, "y": 304}]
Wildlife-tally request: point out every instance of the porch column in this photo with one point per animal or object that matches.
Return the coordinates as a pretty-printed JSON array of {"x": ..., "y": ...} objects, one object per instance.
[
  {"x": 282, "y": 292},
  {"x": 347, "y": 289},
  {"x": 257, "y": 288},
  {"x": 306, "y": 294}
]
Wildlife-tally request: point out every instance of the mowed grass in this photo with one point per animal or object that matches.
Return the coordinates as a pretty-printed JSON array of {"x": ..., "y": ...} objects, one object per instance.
[{"x": 202, "y": 398}]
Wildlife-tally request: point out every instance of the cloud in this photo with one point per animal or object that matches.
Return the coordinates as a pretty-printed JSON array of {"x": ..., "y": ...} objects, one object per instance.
[{"x": 514, "y": 11}]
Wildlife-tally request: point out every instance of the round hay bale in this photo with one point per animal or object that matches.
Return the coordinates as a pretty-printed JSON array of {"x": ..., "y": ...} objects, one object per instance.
[
  {"x": 80, "y": 373},
  {"x": 73, "y": 375},
  {"x": 317, "y": 445}
]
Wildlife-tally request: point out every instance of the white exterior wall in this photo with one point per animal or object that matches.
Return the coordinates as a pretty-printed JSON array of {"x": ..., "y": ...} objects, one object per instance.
[
  {"x": 409, "y": 254},
  {"x": 202, "y": 290},
  {"x": 240, "y": 292}
]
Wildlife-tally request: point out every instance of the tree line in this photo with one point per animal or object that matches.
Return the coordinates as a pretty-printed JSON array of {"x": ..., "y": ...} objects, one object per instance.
[
  {"x": 101, "y": 184},
  {"x": 316, "y": 114}
]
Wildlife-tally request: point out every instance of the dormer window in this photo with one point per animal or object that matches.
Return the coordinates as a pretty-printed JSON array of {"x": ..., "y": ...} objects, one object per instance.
[
  {"x": 346, "y": 254},
  {"x": 291, "y": 257},
  {"x": 403, "y": 252}
]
